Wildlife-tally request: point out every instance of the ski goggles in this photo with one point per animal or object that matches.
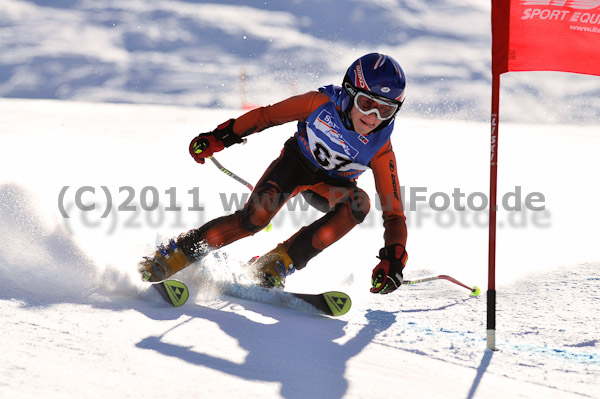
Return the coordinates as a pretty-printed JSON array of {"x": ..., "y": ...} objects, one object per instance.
[{"x": 368, "y": 104}]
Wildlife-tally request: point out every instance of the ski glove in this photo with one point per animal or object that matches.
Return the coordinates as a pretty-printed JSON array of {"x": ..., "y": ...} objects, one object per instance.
[
  {"x": 387, "y": 275},
  {"x": 206, "y": 144}
]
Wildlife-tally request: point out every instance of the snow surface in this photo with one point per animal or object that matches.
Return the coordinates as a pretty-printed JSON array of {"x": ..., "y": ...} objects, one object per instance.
[{"x": 76, "y": 321}]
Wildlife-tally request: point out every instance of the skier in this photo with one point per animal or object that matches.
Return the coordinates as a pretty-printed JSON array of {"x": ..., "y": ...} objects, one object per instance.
[{"x": 341, "y": 132}]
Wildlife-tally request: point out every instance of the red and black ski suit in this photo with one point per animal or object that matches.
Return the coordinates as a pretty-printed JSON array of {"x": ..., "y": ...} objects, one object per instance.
[{"x": 345, "y": 205}]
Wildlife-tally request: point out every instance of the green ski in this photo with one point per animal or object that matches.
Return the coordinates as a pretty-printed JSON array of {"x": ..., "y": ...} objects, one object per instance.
[
  {"x": 332, "y": 303},
  {"x": 173, "y": 292}
]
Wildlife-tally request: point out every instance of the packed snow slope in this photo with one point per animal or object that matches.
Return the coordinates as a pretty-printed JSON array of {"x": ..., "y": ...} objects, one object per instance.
[
  {"x": 192, "y": 52},
  {"x": 76, "y": 321}
]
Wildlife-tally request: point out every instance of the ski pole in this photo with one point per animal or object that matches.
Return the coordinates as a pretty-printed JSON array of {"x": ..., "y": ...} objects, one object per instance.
[
  {"x": 231, "y": 174},
  {"x": 238, "y": 179},
  {"x": 475, "y": 291}
]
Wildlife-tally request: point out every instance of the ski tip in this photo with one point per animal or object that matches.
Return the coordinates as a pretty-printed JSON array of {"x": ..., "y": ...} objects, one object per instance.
[
  {"x": 177, "y": 292},
  {"x": 338, "y": 302}
]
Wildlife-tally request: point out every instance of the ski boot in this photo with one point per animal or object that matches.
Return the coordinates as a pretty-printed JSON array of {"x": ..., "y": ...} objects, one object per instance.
[
  {"x": 165, "y": 263},
  {"x": 272, "y": 268}
]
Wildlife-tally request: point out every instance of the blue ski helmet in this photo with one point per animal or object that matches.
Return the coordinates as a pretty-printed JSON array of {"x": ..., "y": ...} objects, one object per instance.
[{"x": 376, "y": 74}]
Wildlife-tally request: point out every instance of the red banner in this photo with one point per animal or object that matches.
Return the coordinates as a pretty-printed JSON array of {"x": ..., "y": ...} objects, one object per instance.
[{"x": 546, "y": 35}]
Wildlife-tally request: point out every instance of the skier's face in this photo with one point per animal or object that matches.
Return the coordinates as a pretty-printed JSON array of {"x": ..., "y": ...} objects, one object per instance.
[{"x": 363, "y": 124}]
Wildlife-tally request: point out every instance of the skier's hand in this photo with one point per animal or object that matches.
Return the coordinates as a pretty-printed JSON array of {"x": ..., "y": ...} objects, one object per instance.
[
  {"x": 206, "y": 144},
  {"x": 387, "y": 275}
]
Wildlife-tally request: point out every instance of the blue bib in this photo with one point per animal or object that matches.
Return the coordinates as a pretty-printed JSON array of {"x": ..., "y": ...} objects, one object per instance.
[{"x": 340, "y": 152}]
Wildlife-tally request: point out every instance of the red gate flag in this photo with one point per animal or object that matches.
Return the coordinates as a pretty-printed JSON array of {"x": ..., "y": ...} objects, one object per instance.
[{"x": 546, "y": 35}]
